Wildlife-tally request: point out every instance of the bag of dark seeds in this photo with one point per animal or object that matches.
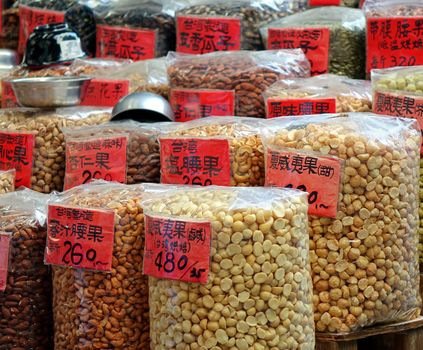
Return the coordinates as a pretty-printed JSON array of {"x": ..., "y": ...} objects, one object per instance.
[
  {"x": 204, "y": 26},
  {"x": 137, "y": 30}
]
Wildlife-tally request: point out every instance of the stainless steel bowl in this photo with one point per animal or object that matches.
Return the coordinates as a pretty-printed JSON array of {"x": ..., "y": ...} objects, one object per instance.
[
  {"x": 49, "y": 92},
  {"x": 8, "y": 58},
  {"x": 143, "y": 107}
]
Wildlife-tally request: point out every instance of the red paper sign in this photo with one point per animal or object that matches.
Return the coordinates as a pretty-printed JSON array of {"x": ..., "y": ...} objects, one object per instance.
[
  {"x": 16, "y": 152},
  {"x": 125, "y": 43},
  {"x": 313, "y": 41},
  {"x": 195, "y": 104},
  {"x": 394, "y": 42},
  {"x": 195, "y": 161},
  {"x": 95, "y": 158},
  {"x": 278, "y": 107},
  {"x": 320, "y": 176},
  {"x": 198, "y": 35},
  {"x": 31, "y": 17},
  {"x": 105, "y": 93},
  {"x": 177, "y": 249},
  {"x": 324, "y": 2},
  {"x": 4, "y": 259},
  {"x": 8, "y": 98},
  {"x": 79, "y": 237}
]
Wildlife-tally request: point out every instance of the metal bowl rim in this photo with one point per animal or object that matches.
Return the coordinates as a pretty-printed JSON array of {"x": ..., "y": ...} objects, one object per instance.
[{"x": 48, "y": 80}]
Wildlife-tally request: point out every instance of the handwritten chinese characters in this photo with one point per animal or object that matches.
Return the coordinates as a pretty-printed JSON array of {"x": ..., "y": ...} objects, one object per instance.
[
  {"x": 105, "y": 93},
  {"x": 176, "y": 249},
  {"x": 277, "y": 107}
]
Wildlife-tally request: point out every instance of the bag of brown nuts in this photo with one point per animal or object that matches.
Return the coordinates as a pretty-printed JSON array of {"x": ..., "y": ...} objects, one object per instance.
[
  {"x": 48, "y": 152},
  {"x": 326, "y": 93},
  {"x": 258, "y": 290},
  {"x": 248, "y": 73},
  {"x": 25, "y": 282},
  {"x": 7, "y": 181},
  {"x": 213, "y": 150},
  {"x": 344, "y": 51},
  {"x": 105, "y": 310},
  {"x": 365, "y": 262},
  {"x": 142, "y": 151}
]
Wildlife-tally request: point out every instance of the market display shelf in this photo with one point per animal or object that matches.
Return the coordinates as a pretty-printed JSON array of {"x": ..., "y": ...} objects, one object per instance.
[{"x": 406, "y": 335}]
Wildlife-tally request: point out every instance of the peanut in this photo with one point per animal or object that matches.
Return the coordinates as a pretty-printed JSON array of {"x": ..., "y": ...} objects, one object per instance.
[{"x": 7, "y": 181}]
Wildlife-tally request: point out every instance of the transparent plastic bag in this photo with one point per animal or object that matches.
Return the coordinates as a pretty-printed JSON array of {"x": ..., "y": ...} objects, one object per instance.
[
  {"x": 25, "y": 316},
  {"x": 365, "y": 262},
  {"x": 245, "y": 165},
  {"x": 81, "y": 296},
  {"x": 252, "y": 229},
  {"x": 248, "y": 73},
  {"x": 7, "y": 181},
  {"x": 393, "y": 8},
  {"x": 349, "y": 95},
  {"x": 243, "y": 18},
  {"x": 347, "y": 28},
  {"x": 48, "y": 169}
]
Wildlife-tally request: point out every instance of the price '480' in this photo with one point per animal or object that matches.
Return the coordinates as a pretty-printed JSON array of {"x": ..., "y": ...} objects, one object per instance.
[{"x": 169, "y": 262}]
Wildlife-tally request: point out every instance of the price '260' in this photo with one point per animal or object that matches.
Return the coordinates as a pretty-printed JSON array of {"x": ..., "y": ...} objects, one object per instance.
[
  {"x": 169, "y": 262},
  {"x": 77, "y": 257}
]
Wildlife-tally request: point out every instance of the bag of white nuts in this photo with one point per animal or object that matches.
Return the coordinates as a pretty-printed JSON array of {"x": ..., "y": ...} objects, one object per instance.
[
  {"x": 365, "y": 262},
  {"x": 44, "y": 146},
  {"x": 326, "y": 93},
  {"x": 7, "y": 181},
  {"x": 258, "y": 290}
]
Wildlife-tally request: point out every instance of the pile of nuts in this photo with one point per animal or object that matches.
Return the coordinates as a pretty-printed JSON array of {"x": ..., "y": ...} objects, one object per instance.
[
  {"x": 258, "y": 294},
  {"x": 246, "y": 149},
  {"x": 25, "y": 306},
  {"x": 96, "y": 310},
  {"x": 364, "y": 263},
  {"x": 49, "y": 154},
  {"x": 410, "y": 9},
  {"x": 7, "y": 181},
  {"x": 248, "y": 73},
  {"x": 405, "y": 79}
]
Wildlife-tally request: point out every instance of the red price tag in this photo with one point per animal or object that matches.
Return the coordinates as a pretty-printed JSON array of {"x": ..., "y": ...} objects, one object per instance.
[
  {"x": 105, "y": 93},
  {"x": 195, "y": 104},
  {"x": 313, "y": 41},
  {"x": 195, "y": 161},
  {"x": 198, "y": 35},
  {"x": 277, "y": 107},
  {"x": 177, "y": 249},
  {"x": 320, "y": 176},
  {"x": 394, "y": 42},
  {"x": 126, "y": 43},
  {"x": 324, "y": 2},
  {"x": 31, "y": 17},
  {"x": 80, "y": 238},
  {"x": 4, "y": 259},
  {"x": 95, "y": 158},
  {"x": 8, "y": 98},
  {"x": 16, "y": 152}
]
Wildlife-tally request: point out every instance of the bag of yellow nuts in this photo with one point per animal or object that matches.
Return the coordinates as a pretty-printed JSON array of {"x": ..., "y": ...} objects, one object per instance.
[
  {"x": 7, "y": 181},
  {"x": 364, "y": 260},
  {"x": 326, "y": 93},
  {"x": 230, "y": 267},
  {"x": 36, "y": 140},
  {"x": 95, "y": 244},
  {"x": 224, "y": 151}
]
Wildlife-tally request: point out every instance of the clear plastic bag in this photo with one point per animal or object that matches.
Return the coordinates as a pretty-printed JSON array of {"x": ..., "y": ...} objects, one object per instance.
[
  {"x": 365, "y": 262},
  {"x": 347, "y": 28},
  {"x": 246, "y": 162},
  {"x": 248, "y": 73},
  {"x": 48, "y": 168},
  {"x": 258, "y": 293},
  {"x": 350, "y": 95},
  {"x": 25, "y": 314},
  {"x": 81, "y": 297},
  {"x": 7, "y": 181},
  {"x": 393, "y": 8}
]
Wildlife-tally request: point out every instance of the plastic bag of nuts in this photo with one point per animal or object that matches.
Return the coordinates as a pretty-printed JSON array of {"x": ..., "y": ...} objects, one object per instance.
[
  {"x": 365, "y": 262},
  {"x": 138, "y": 30},
  {"x": 48, "y": 161},
  {"x": 98, "y": 310},
  {"x": 245, "y": 164},
  {"x": 25, "y": 298},
  {"x": 142, "y": 153},
  {"x": 241, "y": 17},
  {"x": 7, "y": 181},
  {"x": 258, "y": 294},
  {"x": 345, "y": 53},
  {"x": 248, "y": 73},
  {"x": 328, "y": 93}
]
